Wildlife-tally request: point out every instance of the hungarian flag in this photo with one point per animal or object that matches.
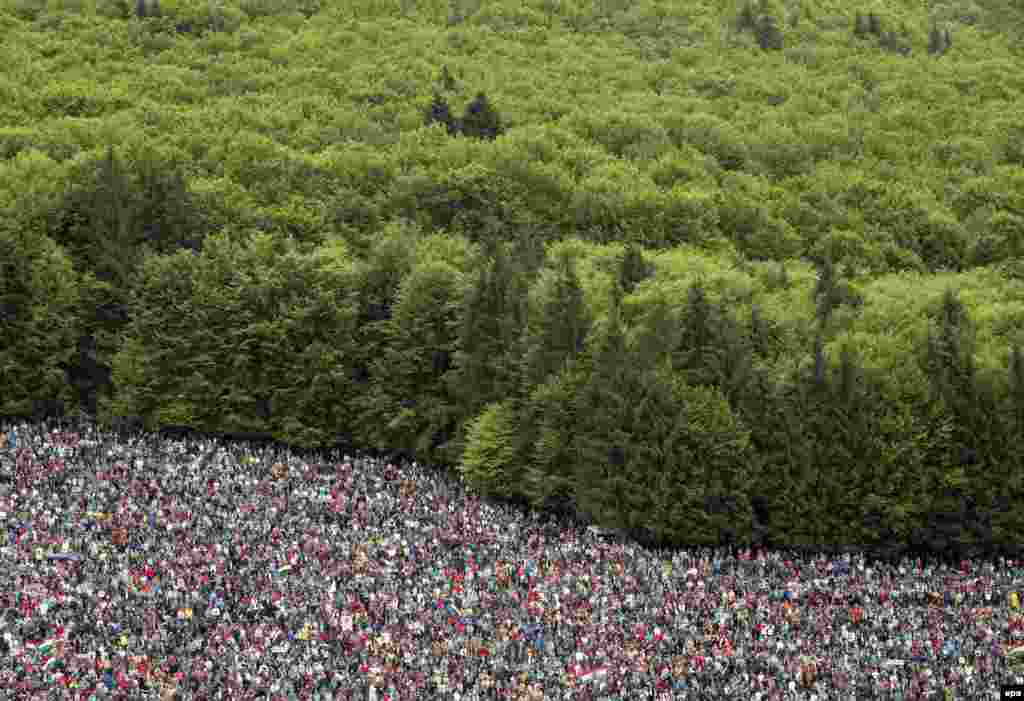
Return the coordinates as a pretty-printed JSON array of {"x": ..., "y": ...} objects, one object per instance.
[
  {"x": 594, "y": 675},
  {"x": 46, "y": 646}
]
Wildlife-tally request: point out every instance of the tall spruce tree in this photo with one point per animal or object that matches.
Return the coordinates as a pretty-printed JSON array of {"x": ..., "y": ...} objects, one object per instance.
[
  {"x": 480, "y": 120},
  {"x": 712, "y": 348},
  {"x": 694, "y": 355},
  {"x": 447, "y": 81},
  {"x": 820, "y": 363},
  {"x": 559, "y": 331},
  {"x": 830, "y": 292},
  {"x": 935, "y": 42},
  {"x": 760, "y": 335},
  {"x": 747, "y": 19},
  {"x": 874, "y": 24},
  {"x": 1017, "y": 392},
  {"x": 959, "y": 413},
  {"x": 658, "y": 333},
  {"x": 848, "y": 375},
  {"x": 551, "y": 351},
  {"x": 769, "y": 36},
  {"x": 824, "y": 291},
  {"x": 490, "y": 326},
  {"x": 860, "y": 26},
  {"x": 605, "y": 436},
  {"x": 633, "y": 269},
  {"x": 439, "y": 111}
]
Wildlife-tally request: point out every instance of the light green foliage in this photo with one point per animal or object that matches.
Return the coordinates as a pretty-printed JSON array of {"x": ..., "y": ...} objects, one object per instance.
[
  {"x": 893, "y": 321},
  {"x": 318, "y": 86},
  {"x": 490, "y": 451},
  {"x": 683, "y": 166}
]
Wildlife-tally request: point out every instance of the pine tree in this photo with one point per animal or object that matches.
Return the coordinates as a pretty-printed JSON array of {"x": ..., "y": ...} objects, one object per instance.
[
  {"x": 559, "y": 333},
  {"x": 825, "y": 291},
  {"x": 712, "y": 349},
  {"x": 769, "y": 37},
  {"x": 820, "y": 362},
  {"x": 480, "y": 120},
  {"x": 1017, "y": 390},
  {"x": 634, "y": 269},
  {"x": 874, "y": 24},
  {"x": 891, "y": 42},
  {"x": 947, "y": 41},
  {"x": 848, "y": 375},
  {"x": 611, "y": 472},
  {"x": 697, "y": 339},
  {"x": 659, "y": 333},
  {"x": 758, "y": 331},
  {"x": 111, "y": 218},
  {"x": 447, "y": 81},
  {"x": 440, "y": 112},
  {"x": 489, "y": 328},
  {"x": 935, "y": 42},
  {"x": 747, "y": 19},
  {"x": 860, "y": 26}
]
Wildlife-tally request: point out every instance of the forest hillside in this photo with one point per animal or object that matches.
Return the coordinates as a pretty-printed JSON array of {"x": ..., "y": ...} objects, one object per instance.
[{"x": 707, "y": 272}]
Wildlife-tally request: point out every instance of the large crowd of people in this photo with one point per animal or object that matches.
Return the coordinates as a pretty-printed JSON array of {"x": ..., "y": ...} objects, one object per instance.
[{"x": 147, "y": 567}]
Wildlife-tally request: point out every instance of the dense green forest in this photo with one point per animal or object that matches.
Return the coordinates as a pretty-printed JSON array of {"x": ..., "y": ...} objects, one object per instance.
[{"x": 705, "y": 272}]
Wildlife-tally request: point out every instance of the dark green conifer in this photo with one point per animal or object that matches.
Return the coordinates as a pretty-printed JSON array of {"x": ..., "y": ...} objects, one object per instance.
[
  {"x": 935, "y": 42},
  {"x": 711, "y": 348},
  {"x": 820, "y": 362},
  {"x": 849, "y": 374},
  {"x": 490, "y": 325},
  {"x": 480, "y": 120},
  {"x": 873, "y": 25},
  {"x": 634, "y": 269},
  {"x": 747, "y": 19},
  {"x": 769, "y": 37},
  {"x": 559, "y": 332},
  {"x": 440, "y": 112},
  {"x": 860, "y": 26},
  {"x": 447, "y": 81},
  {"x": 758, "y": 331},
  {"x": 825, "y": 290},
  {"x": 1017, "y": 389}
]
